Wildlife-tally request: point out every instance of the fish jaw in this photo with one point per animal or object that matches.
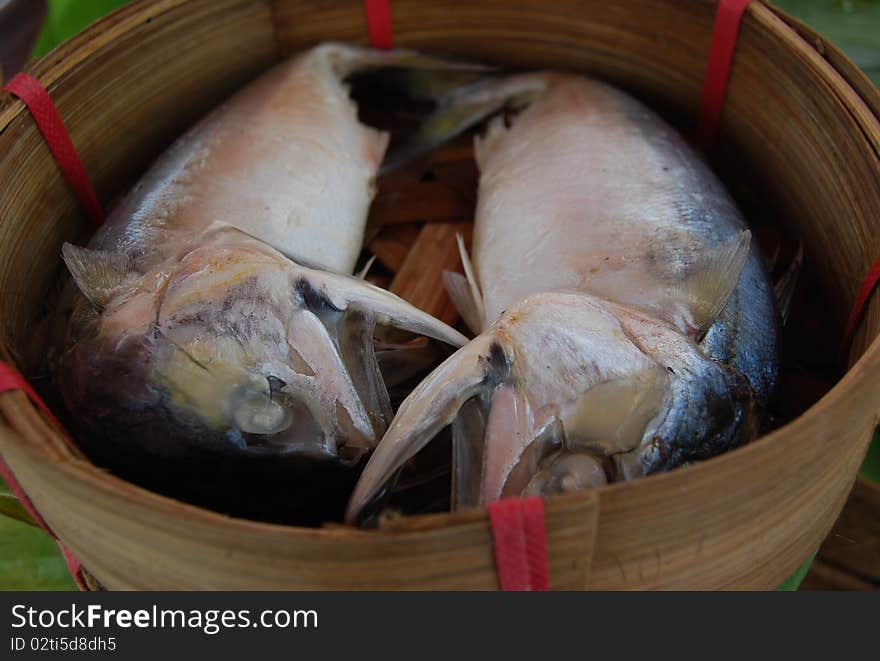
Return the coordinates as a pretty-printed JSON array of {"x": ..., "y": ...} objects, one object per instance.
[
  {"x": 573, "y": 391},
  {"x": 231, "y": 347}
]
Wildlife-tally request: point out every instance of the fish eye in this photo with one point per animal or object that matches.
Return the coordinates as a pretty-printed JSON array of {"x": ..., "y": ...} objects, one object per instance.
[
  {"x": 275, "y": 384},
  {"x": 254, "y": 412}
]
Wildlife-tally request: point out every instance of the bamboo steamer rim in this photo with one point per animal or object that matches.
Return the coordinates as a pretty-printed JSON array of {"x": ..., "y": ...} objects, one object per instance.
[
  {"x": 52, "y": 68},
  {"x": 850, "y": 86}
]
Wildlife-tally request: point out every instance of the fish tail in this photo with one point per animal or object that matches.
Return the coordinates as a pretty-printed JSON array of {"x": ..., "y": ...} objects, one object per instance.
[
  {"x": 462, "y": 107},
  {"x": 463, "y": 93},
  {"x": 427, "y": 76}
]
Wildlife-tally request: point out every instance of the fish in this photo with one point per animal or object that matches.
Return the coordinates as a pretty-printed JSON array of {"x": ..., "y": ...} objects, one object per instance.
[
  {"x": 217, "y": 312},
  {"x": 624, "y": 320}
]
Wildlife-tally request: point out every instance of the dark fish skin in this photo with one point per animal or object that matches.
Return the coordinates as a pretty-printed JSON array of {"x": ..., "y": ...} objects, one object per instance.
[{"x": 746, "y": 333}]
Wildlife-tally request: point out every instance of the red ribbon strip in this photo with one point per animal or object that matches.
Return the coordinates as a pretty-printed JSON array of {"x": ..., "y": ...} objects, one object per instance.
[
  {"x": 5, "y": 471},
  {"x": 724, "y": 35},
  {"x": 31, "y": 92},
  {"x": 520, "y": 543},
  {"x": 48, "y": 120},
  {"x": 869, "y": 284},
  {"x": 379, "y": 23},
  {"x": 10, "y": 379}
]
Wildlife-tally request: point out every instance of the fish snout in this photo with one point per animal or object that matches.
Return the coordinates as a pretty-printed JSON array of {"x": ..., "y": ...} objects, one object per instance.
[{"x": 538, "y": 403}]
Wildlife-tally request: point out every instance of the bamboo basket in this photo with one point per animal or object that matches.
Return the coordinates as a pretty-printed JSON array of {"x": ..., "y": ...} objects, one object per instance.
[{"x": 799, "y": 122}]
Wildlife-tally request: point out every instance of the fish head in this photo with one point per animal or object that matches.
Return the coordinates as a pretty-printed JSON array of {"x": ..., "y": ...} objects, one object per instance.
[
  {"x": 231, "y": 347},
  {"x": 564, "y": 392}
]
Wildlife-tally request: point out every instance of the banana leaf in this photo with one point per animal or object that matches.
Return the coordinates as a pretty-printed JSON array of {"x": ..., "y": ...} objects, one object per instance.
[
  {"x": 29, "y": 559},
  {"x": 67, "y": 17},
  {"x": 851, "y": 25},
  {"x": 9, "y": 505}
]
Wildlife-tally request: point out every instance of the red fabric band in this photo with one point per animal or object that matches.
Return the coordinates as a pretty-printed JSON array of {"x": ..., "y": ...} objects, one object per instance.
[
  {"x": 31, "y": 92},
  {"x": 10, "y": 379},
  {"x": 42, "y": 109},
  {"x": 865, "y": 291},
  {"x": 379, "y": 23},
  {"x": 727, "y": 22},
  {"x": 520, "y": 543},
  {"x": 74, "y": 567}
]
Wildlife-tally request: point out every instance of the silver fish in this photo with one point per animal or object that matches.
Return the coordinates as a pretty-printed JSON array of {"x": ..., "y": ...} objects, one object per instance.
[
  {"x": 216, "y": 311},
  {"x": 625, "y": 322}
]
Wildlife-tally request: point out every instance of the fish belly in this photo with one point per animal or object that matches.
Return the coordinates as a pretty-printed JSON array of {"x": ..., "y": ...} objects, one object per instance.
[{"x": 284, "y": 160}]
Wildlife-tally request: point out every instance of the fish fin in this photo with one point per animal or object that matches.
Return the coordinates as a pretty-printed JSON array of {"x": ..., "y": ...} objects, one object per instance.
[
  {"x": 457, "y": 287},
  {"x": 411, "y": 74},
  {"x": 390, "y": 310},
  {"x": 329, "y": 388},
  {"x": 349, "y": 60},
  {"x": 475, "y": 293},
  {"x": 401, "y": 363},
  {"x": 784, "y": 288},
  {"x": 464, "y": 290},
  {"x": 433, "y": 405},
  {"x": 468, "y": 267},
  {"x": 468, "y": 439},
  {"x": 463, "y": 108},
  {"x": 362, "y": 274},
  {"x": 97, "y": 273},
  {"x": 774, "y": 258},
  {"x": 709, "y": 285},
  {"x": 358, "y": 354}
]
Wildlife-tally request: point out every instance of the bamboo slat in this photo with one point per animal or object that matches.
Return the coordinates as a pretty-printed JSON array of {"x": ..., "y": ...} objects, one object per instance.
[
  {"x": 419, "y": 278},
  {"x": 854, "y": 543},
  {"x": 824, "y": 576},
  {"x": 392, "y": 245}
]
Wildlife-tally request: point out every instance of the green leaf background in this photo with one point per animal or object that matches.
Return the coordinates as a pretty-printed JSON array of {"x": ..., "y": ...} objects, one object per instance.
[
  {"x": 852, "y": 25},
  {"x": 30, "y": 560},
  {"x": 67, "y": 17}
]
